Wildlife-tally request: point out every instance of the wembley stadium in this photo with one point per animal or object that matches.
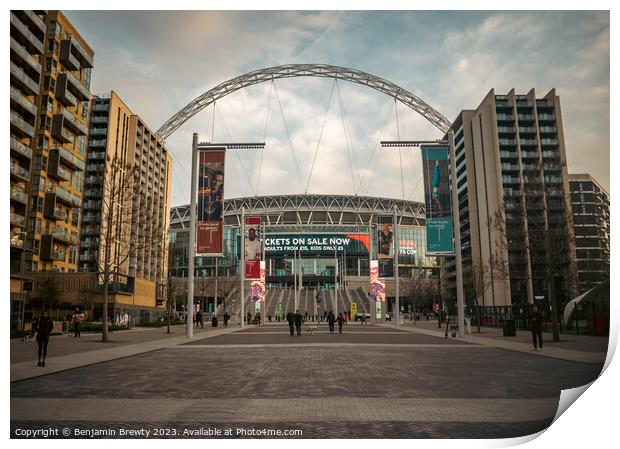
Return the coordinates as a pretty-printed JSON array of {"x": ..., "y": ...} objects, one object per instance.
[{"x": 337, "y": 275}]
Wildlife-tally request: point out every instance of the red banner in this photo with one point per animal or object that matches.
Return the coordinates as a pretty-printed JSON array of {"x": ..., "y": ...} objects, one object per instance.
[
  {"x": 252, "y": 247},
  {"x": 210, "y": 219}
]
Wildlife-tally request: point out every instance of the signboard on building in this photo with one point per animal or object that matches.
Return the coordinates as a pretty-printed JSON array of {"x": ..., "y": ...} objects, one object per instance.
[
  {"x": 257, "y": 287},
  {"x": 377, "y": 285},
  {"x": 316, "y": 243},
  {"x": 210, "y": 202},
  {"x": 439, "y": 226},
  {"x": 385, "y": 245},
  {"x": 253, "y": 250}
]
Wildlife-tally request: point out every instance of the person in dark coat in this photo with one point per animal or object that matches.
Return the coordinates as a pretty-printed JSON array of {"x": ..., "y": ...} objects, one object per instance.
[
  {"x": 199, "y": 319},
  {"x": 340, "y": 323},
  {"x": 44, "y": 326},
  {"x": 290, "y": 317},
  {"x": 226, "y": 318},
  {"x": 330, "y": 320},
  {"x": 537, "y": 324},
  {"x": 298, "y": 320}
]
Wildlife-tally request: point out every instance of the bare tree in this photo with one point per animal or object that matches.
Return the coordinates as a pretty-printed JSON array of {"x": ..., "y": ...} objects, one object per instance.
[
  {"x": 419, "y": 289},
  {"x": 549, "y": 243},
  {"x": 121, "y": 219},
  {"x": 477, "y": 281}
]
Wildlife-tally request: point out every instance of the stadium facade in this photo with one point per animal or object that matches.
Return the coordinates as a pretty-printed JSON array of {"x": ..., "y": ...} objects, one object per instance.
[{"x": 340, "y": 277}]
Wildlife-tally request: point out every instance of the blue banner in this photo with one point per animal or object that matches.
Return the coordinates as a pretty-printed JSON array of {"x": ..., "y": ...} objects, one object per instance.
[{"x": 439, "y": 225}]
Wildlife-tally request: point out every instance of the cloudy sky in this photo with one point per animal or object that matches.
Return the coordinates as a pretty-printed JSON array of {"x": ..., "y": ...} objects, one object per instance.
[{"x": 159, "y": 61}]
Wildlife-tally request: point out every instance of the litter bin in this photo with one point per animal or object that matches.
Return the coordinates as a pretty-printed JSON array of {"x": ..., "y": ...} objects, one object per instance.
[
  {"x": 510, "y": 328},
  {"x": 214, "y": 321}
]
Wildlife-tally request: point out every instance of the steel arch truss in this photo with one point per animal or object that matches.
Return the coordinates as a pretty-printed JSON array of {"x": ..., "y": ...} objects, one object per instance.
[{"x": 304, "y": 70}]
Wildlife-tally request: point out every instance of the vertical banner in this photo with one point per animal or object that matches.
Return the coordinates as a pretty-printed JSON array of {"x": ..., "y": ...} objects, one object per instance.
[
  {"x": 377, "y": 285},
  {"x": 353, "y": 310},
  {"x": 257, "y": 287},
  {"x": 385, "y": 245},
  {"x": 435, "y": 166},
  {"x": 210, "y": 219},
  {"x": 252, "y": 247}
]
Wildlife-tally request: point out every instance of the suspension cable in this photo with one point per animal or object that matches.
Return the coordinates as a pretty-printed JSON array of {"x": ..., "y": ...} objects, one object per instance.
[
  {"x": 260, "y": 163},
  {"x": 236, "y": 153},
  {"x": 344, "y": 128},
  {"x": 290, "y": 141},
  {"x": 373, "y": 153},
  {"x": 318, "y": 144}
]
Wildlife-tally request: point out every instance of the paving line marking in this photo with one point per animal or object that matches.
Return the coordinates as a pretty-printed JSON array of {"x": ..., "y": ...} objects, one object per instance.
[
  {"x": 339, "y": 409},
  {"x": 327, "y": 345},
  {"x": 550, "y": 352}
]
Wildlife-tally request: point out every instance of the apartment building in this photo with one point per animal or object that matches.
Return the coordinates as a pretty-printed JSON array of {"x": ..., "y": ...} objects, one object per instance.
[
  {"x": 137, "y": 250},
  {"x": 59, "y": 148},
  {"x": 514, "y": 202},
  {"x": 590, "y": 203},
  {"x": 27, "y": 43}
]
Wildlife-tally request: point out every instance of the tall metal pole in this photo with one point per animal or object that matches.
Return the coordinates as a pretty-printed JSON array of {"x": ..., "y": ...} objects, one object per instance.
[
  {"x": 396, "y": 252},
  {"x": 192, "y": 239},
  {"x": 242, "y": 263},
  {"x": 215, "y": 295},
  {"x": 457, "y": 238},
  {"x": 335, "y": 302},
  {"x": 295, "y": 280}
]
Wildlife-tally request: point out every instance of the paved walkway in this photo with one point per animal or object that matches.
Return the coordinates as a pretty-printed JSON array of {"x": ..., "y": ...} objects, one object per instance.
[
  {"x": 370, "y": 381},
  {"x": 66, "y": 352},
  {"x": 584, "y": 349}
]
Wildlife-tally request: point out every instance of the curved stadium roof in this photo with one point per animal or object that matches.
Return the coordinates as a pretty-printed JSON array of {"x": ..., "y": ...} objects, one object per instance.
[{"x": 312, "y": 209}]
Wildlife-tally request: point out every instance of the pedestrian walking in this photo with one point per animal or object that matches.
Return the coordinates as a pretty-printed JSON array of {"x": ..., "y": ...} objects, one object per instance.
[
  {"x": 298, "y": 320},
  {"x": 330, "y": 320},
  {"x": 340, "y": 323},
  {"x": 44, "y": 327},
  {"x": 226, "y": 318},
  {"x": 258, "y": 317},
  {"x": 249, "y": 318},
  {"x": 76, "y": 320},
  {"x": 199, "y": 319},
  {"x": 363, "y": 320},
  {"x": 537, "y": 322},
  {"x": 290, "y": 317}
]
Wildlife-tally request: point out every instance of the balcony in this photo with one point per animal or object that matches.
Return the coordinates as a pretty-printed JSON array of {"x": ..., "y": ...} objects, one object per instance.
[
  {"x": 101, "y": 107},
  {"x": 525, "y": 117},
  {"x": 546, "y": 117},
  {"x": 98, "y": 131},
  {"x": 96, "y": 155},
  {"x": 505, "y": 117},
  {"x": 35, "y": 19},
  {"x": 25, "y": 36},
  {"x": 19, "y": 172},
  {"x": 58, "y": 129},
  {"x": 528, "y": 142},
  {"x": 20, "y": 148},
  {"x": 101, "y": 120},
  {"x": 549, "y": 142},
  {"x": 98, "y": 143},
  {"x": 506, "y": 129},
  {"x": 74, "y": 47},
  {"x": 25, "y": 56},
  {"x": 22, "y": 80},
  {"x": 47, "y": 251},
  {"x": 19, "y": 195},
  {"x": 20, "y": 103},
  {"x": 529, "y": 155},
  {"x": 17, "y": 241},
  {"x": 66, "y": 57},
  {"x": 70, "y": 160},
  {"x": 67, "y": 197},
  {"x": 91, "y": 230},
  {"x": 21, "y": 126},
  {"x": 508, "y": 142},
  {"x": 18, "y": 220},
  {"x": 74, "y": 85},
  {"x": 63, "y": 95},
  {"x": 58, "y": 173},
  {"x": 73, "y": 124}
]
